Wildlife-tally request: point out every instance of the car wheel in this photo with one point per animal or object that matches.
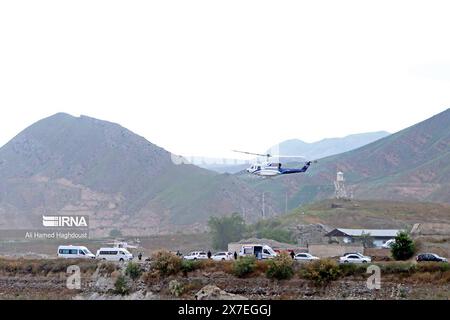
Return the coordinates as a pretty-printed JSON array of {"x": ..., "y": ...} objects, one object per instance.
[
  {"x": 364, "y": 262},
  {"x": 195, "y": 258},
  {"x": 223, "y": 259},
  {"x": 121, "y": 260},
  {"x": 346, "y": 261}
]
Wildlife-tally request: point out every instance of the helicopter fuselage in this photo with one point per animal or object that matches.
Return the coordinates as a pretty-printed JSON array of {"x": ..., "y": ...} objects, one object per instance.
[{"x": 275, "y": 169}]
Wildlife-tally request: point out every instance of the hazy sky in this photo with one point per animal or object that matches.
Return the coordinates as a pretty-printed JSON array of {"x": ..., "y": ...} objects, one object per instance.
[{"x": 205, "y": 77}]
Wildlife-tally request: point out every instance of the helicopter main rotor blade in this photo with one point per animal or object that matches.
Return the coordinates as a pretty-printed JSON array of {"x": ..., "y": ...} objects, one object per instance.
[
  {"x": 281, "y": 156},
  {"x": 254, "y": 154}
]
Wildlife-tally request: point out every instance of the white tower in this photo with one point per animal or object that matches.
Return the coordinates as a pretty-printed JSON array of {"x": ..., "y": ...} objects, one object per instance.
[{"x": 339, "y": 185}]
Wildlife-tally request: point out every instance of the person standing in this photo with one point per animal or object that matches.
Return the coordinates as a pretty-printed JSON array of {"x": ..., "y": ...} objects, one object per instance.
[
  {"x": 235, "y": 255},
  {"x": 209, "y": 254},
  {"x": 292, "y": 254}
]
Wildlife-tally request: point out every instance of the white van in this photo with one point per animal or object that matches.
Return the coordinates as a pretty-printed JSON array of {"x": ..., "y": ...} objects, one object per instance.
[
  {"x": 74, "y": 252},
  {"x": 260, "y": 251},
  {"x": 114, "y": 254}
]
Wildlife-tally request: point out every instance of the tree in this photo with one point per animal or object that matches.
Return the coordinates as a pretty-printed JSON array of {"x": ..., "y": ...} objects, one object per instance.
[
  {"x": 226, "y": 229},
  {"x": 271, "y": 229},
  {"x": 367, "y": 240},
  {"x": 114, "y": 233},
  {"x": 403, "y": 248}
]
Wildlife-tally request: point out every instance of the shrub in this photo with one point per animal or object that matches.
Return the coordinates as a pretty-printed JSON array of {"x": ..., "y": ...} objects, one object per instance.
[
  {"x": 107, "y": 267},
  {"x": 190, "y": 265},
  {"x": 133, "y": 270},
  {"x": 261, "y": 267},
  {"x": 281, "y": 267},
  {"x": 121, "y": 286},
  {"x": 350, "y": 269},
  {"x": 433, "y": 267},
  {"x": 398, "y": 267},
  {"x": 244, "y": 266},
  {"x": 176, "y": 288},
  {"x": 321, "y": 272},
  {"x": 403, "y": 248},
  {"x": 166, "y": 263}
]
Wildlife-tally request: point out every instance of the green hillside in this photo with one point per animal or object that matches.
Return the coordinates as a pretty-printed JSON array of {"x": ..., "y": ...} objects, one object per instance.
[{"x": 367, "y": 214}]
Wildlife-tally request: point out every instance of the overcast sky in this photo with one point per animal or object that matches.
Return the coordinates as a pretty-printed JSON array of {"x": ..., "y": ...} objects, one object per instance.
[{"x": 205, "y": 77}]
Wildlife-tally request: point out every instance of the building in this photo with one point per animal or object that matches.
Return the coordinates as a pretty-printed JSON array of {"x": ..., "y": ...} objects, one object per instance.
[{"x": 349, "y": 236}]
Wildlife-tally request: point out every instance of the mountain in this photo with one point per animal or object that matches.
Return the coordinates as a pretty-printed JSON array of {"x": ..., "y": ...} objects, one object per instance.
[
  {"x": 220, "y": 165},
  {"x": 81, "y": 165},
  {"x": 326, "y": 147},
  {"x": 410, "y": 165}
]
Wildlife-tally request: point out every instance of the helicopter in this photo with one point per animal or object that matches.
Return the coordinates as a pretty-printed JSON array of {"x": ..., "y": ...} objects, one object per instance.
[
  {"x": 123, "y": 244},
  {"x": 271, "y": 169}
]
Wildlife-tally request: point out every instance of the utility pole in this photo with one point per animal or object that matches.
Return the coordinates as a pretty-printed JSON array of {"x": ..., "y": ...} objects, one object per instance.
[
  {"x": 286, "y": 204},
  {"x": 263, "y": 205}
]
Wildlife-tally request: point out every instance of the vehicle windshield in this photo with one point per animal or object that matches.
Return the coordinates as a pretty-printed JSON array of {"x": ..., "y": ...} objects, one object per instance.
[{"x": 86, "y": 251}]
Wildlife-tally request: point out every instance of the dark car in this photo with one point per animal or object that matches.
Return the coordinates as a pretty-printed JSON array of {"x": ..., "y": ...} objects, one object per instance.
[{"x": 430, "y": 257}]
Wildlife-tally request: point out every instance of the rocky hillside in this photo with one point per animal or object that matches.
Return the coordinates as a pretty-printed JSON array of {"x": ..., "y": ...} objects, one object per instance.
[{"x": 80, "y": 165}]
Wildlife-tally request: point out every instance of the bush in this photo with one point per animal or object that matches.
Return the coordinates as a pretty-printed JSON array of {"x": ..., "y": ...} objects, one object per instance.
[
  {"x": 244, "y": 266},
  {"x": 321, "y": 272},
  {"x": 166, "y": 263},
  {"x": 433, "y": 267},
  {"x": 398, "y": 268},
  {"x": 351, "y": 269},
  {"x": 403, "y": 248},
  {"x": 189, "y": 266},
  {"x": 121, "y": 286},
  {"x": 107, "y": 268},
  {"x": 133, "y": 270},
  {"x": 176, "y": 288},
  {"x": 281, "y": 267}
]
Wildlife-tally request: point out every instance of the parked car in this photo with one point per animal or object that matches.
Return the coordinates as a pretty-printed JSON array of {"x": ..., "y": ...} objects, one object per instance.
[
  {"x": 74, "y": 252},
  {"x": 260, "y": 251},
  {"x": 388, "y": 244},
  {"x": 305, "y": 257},
  {"x": 430, "y": 257},
  {"x": 114, "y": 254},
  {"x": 355, "y": 258},
  {"x": 222, "y": 256},
  {"x": 196, "y": 255},
  {"x": 359, "y": 254}
]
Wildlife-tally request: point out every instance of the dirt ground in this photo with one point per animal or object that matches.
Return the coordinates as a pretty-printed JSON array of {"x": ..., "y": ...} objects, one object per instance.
[{"x": 16, "y": 283}]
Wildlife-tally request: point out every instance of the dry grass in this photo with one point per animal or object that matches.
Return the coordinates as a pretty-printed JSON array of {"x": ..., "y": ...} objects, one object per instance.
[{"x": 44, "y": 267}]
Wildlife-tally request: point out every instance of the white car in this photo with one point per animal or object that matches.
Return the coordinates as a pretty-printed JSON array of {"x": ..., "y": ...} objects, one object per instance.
[
  {"x": 355, "y": 258},
  {"x": 305, "y": 257},
  {"x": 388, "y": 244},
  {"x": 196, "y": 255},
  {"x": 358, "y": 254},
  {"x": 222, "y": 256},
  {"x": 114, "y": 254},
  {"x": 74, "y": 252}
]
